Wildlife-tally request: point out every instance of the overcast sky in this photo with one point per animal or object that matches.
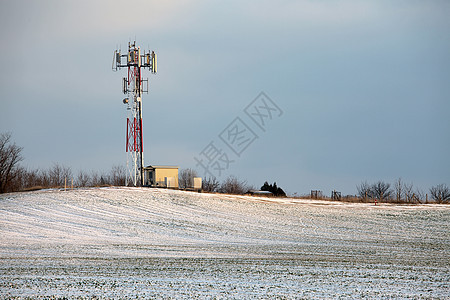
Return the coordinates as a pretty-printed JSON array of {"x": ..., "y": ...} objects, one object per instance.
[{"x": 357, "y": 90}]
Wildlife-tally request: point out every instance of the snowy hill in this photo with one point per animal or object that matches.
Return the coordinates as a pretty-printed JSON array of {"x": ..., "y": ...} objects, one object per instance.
[
  {"x": 159, "y": 222},
  {"x": 140, "y": 223}
]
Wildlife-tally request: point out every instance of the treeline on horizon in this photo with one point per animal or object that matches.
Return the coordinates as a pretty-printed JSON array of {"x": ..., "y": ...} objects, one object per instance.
[{"x": 15, "y": 177}]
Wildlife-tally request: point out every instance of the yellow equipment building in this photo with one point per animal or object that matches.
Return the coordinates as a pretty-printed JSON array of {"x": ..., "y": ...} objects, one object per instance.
[{"x": 161, "y": 176}]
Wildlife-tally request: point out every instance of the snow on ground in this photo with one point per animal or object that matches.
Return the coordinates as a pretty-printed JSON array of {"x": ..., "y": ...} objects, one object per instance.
[{"x": 157, "y": 243}]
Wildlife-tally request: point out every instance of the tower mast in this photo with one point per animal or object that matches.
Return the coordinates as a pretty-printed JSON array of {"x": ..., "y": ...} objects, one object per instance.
[{"x": 133, "y": 86}]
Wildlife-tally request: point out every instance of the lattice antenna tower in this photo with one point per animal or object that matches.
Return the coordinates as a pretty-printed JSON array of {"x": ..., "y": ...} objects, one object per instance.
[{"x": 133, "y": 86}]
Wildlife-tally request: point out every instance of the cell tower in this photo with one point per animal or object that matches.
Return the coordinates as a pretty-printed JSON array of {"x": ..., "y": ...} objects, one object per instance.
[{"x": 133, "y": 86}]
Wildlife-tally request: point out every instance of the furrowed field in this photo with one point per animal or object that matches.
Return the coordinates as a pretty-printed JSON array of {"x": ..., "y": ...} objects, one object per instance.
[{"x": 155, "y": 243}]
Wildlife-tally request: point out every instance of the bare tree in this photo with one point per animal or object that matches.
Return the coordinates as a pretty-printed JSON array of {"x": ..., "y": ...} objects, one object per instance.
[
  {"x": 381, "y": 190},
  {"x": 95, "y": 179},
  {"x": 405, "y": 191},
  {"x": 232, "y": 185},
  {"x": 20, "y": 182},
  {"x": 210, "y": 184},
  {"x": 398, "y": 188},
  {"x": 33, "y": 179},
  {"x": 55, "y": 174},
  {"x": 409, "y": 194},
  {"x": 186, "y": 178},
  {"x": 83, "y": 179},
  {"x": 44, "y": 178},
  {"x": 59, "y": 174},
  {"x": 10, "y": 156},
  {"x": 67, "y": 175},
  {"x": 19, "y": 179},
  {"x": 417, "y": 196},
  {"x": 117, "y": 176},
  {"x": 100, "y": 179},
  {"x": 364, "y": 190},
  {"x": 440, "y": 193}
]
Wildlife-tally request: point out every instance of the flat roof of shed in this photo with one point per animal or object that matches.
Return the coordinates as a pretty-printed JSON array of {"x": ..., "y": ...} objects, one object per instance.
[{"x": 161, "y": 167}]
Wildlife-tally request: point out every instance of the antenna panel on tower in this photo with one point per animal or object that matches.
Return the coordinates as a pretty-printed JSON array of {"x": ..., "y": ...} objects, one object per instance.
[
  {"x": 118, "y": 59},
  {"x": 125, "y": 85},
  {"x": 153, "y": 62}
]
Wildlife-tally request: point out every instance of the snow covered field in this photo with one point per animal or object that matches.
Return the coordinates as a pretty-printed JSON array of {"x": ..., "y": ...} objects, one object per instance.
[{"x": 156, "y": 243}]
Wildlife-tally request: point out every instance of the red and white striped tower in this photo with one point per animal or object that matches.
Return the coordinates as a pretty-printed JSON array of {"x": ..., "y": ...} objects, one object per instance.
[{"x": 133, "y": 86}]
